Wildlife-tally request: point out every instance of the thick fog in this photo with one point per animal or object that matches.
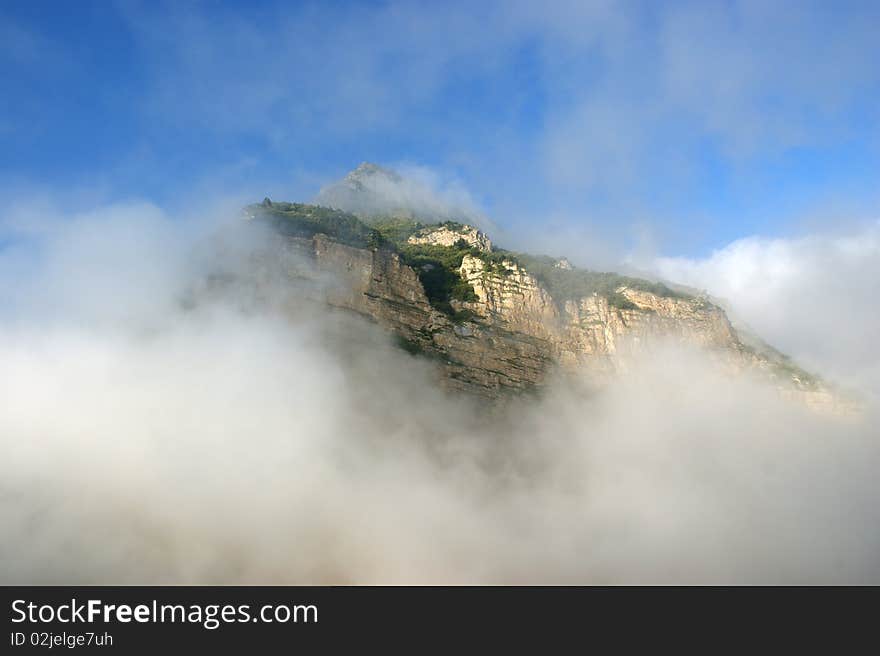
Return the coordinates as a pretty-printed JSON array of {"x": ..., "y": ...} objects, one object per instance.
[
  {"x": 814, "y": 295},
  {"x": 154, "y": 429}
]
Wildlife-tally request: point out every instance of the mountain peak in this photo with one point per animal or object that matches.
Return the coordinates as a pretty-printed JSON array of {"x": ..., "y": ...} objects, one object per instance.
[
  {"x": 369, "y": 169},
  {"x": 371, "y": 190},
  {"x": 502, "y": 321},
  {"x": 365, "y": 179}
]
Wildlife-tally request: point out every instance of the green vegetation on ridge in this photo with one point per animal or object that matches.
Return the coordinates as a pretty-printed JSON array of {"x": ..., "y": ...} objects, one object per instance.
[
  {"x": 571, "y": 284},
  {"x": 300, "y": 220},
  {"x": 438, "y": 266},
  {"x": 396, "y": 230}
]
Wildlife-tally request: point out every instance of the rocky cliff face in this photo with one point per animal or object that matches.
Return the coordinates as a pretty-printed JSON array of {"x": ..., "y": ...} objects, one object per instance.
[
  {"x": 449, "y": 235},
  {"x": 478, "y": 356},
  {"x": 494, "y": 321},
  {"x": 515, "y": 334},
  {"x": 589, "y": 331}
]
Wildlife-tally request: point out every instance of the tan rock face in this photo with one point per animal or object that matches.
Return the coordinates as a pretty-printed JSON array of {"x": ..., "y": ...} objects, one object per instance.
[
  {"x": 474, "y": 356},
  {"x": 589, "y": 326},
  {"x": 693, "y": 319},
  {"x": 518, "y": 332},
  {"x": 447, "y": 236},
  {"x": 564, "y": 264},
  {"x": 511, "y": 296}
]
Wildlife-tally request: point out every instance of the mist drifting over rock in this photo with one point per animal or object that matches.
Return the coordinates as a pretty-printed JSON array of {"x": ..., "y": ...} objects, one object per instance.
[
  {"x": 371, "y": 190},
  {"x": 182, "y": 415}
]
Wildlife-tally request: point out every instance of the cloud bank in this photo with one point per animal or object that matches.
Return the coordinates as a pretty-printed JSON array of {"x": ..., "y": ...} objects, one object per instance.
[
  {"x": 814, "y": 296},
  {"x": 147, "y": 438}
]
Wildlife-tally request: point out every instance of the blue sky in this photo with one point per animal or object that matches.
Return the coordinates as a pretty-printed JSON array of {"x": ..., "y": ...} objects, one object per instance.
[{"x": 679, "y": 126}]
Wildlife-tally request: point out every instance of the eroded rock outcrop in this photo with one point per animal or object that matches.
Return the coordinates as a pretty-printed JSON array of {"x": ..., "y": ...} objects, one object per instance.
[
  {"x": 479, "y": 357},
  {"x": 450, "y": 235},
  {"x": 516, "y": 333},
  {"x": 502, "y": 327}
]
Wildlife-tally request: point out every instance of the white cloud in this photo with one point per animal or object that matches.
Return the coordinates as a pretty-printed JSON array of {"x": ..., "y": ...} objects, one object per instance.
[
  {"x": 145, "y": 442},
  {"x": 230, "y": 443},
  {"x": 813, "y": 296}
]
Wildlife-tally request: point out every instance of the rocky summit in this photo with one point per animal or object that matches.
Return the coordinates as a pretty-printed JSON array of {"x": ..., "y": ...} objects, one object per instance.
[{"x": 496, "y": 321}]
